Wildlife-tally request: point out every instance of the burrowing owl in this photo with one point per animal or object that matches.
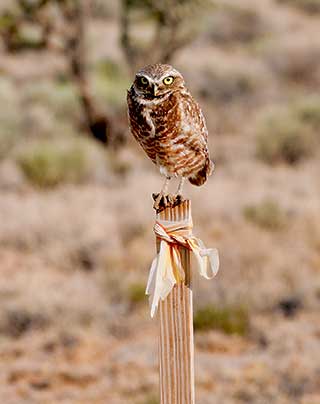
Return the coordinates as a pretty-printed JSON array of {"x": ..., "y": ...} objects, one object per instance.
[{"x": 169, "y": 125}]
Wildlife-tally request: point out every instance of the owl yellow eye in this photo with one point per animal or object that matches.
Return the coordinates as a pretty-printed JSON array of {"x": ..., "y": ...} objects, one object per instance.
[
  {"x": 143, "y": 81},
  {"x": 168, "y": 80}
]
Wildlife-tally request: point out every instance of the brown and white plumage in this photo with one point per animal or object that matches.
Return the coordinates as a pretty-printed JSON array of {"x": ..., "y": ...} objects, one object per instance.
[{"x": 168, "y": 124}]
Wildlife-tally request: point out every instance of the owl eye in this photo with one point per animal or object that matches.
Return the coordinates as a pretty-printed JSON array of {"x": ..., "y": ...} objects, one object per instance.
[
  {"x": 144, "y": 81},
  {"x": 168, "y": 80}
]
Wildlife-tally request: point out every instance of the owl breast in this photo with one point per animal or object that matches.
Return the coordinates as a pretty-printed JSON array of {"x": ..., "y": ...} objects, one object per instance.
[{"x": 171, "y": 131}]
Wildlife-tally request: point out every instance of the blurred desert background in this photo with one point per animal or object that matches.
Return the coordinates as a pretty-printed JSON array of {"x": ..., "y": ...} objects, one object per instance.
[{"x": 76, "y": 215}]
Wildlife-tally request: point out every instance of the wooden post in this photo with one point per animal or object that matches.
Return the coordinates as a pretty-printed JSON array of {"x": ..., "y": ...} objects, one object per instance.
[{"x": 176, "y": 346}]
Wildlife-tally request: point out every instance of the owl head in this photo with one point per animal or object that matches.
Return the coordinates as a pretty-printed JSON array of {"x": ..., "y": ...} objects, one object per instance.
[{"x": 155, "y": 81}]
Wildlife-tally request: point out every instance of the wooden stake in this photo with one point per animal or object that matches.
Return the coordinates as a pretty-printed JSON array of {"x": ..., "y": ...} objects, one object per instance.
[{"x": 176, "y": 346}]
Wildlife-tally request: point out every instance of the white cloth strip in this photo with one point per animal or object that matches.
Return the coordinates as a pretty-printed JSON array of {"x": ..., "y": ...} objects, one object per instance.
[{"x": 166, "y": 268}]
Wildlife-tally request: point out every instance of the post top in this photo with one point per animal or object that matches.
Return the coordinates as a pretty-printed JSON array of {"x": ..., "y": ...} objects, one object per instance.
[
  {"x": 169, "y": 201},
  {"x": 172, "y": 207}
]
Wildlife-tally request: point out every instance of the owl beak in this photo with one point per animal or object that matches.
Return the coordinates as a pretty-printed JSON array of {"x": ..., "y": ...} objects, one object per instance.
[{"x": 154, "y": 89}]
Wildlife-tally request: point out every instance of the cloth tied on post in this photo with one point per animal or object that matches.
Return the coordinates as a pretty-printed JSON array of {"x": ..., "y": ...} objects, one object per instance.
[{"x": 166, "y": 268}]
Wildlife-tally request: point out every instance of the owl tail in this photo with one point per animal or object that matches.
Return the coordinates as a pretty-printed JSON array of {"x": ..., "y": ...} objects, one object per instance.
[{"x": 201, "y": 176}]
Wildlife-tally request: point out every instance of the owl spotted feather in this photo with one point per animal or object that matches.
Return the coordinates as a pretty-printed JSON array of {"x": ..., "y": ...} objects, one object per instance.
[{"x": 169, "y": 125}]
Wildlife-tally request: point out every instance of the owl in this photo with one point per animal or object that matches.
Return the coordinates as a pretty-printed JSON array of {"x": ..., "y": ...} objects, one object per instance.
[{"x": 169, "y": 125}]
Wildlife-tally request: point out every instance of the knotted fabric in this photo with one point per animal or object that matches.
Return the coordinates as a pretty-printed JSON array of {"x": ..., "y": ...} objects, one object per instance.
[{"x": 166, "y": 268}]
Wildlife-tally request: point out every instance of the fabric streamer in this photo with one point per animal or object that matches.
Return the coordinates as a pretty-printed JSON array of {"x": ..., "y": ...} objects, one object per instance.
[{"x": 166, "y": 268}]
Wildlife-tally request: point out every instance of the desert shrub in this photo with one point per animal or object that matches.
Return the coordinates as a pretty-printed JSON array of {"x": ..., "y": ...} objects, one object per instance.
[
  {"x": 236, "y": 23},
  {"x": 110, "y": 82},
  {"x": 150, "y": 399},
  {"x": 295, "y": 59},
  {"x": 228, "y": 83},
  {"x": 42, "y": 109},
  {"x": 229, "y": 319},
  {"x": 57, "y": 96},
  {"x": 308, "y": 6},
  {"x": 104, "y": 9},
  {"x": 131, "y": 232},
  {"x": 119, "y": 165},
  {"x": 281, "y": 137},
  {"x": 47, "y": 165},
  {"x": 116, "y": 290},
  {"x": 18, "y": 322},
  {"x": 290, "y": 306},
  {"x": 136, "y": 293},
  {"x": 7, "y": 142},
  {"x": 109, "y": 68},
  {"x": 10, "y": 117},
  {"x": 307, "y": 110},
  {"x": 266, "y": 214}
]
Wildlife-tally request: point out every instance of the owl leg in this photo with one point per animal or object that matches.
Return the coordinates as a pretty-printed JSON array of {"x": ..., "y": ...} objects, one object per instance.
[
  {"x": 164, "y": 189},
  {"x": 161, "y": 200},
  {"x": 179, "y": 190},
  {"x": 178, "y": 198}
]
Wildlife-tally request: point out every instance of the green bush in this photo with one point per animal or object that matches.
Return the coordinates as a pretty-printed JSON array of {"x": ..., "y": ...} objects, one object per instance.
[
  {"x": 283, "y": 138},
  {"x": 110, "y": 83},
  {"x": 307, "y": 111},
  {"x": 229, "y": 319},
  {"x": 150, "y": 399},
  {"x": 47, "y": 165},
  {"x": 136, "y": 293},
  {"x": 267, "y": 215}
]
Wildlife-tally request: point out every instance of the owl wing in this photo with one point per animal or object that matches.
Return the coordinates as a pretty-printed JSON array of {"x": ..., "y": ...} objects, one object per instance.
[
  {"x": 196, "y": 155},
  {"x": 193, "y": 124}
]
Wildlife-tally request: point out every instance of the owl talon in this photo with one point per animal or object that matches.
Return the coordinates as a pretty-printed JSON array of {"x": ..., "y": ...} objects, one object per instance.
[
  {"x": 160, "y": 201},
  {"x": 170, "y": 199},
  {"x": 163, "y": 201},
  {"x": 178, "y": 199}
]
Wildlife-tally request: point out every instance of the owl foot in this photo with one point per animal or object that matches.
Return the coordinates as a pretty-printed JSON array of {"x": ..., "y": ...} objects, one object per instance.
[
  {"x": 163, "y": 201},
  {"x": 178, "y": 199}
]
